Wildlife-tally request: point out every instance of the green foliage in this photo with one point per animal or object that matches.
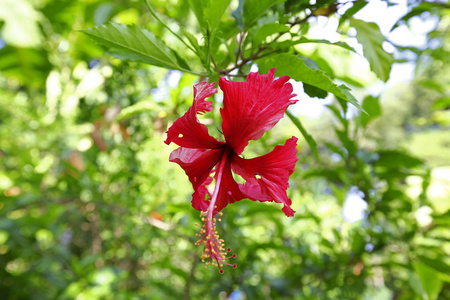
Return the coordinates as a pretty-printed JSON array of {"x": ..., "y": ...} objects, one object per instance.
[
  {"x": 91, "y": 208},
  {"x": 295, "y": 67},
  {"x": 134, "y": 43},
  {"x": 250, "y": 11},
  {"x": 209, "y": 12},
  {"x": 369, "y": 35}
]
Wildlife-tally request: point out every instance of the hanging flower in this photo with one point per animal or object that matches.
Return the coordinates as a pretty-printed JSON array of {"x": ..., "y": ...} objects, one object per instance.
[{"x": 249, "y": 109}]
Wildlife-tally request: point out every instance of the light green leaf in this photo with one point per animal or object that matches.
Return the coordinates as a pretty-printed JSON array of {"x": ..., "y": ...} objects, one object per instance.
[
  {"x": 369, "y": 35},
  {"x": 267, "y": 30},
  {"x": 209, "y": 12},
  {"x": 138, "y": 44},
  {"x": 295, "y": 67},
  {"x": 373, "y": 109},
  {"x": 250, "y": 10},
  {"x": 193, "y": 41},
  {"x": 439, "y": 263},
  {"x": 430, "y": 280}
]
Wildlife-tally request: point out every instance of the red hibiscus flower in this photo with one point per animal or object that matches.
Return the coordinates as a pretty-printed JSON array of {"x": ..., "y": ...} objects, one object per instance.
[{"x": 249, "y": 109}]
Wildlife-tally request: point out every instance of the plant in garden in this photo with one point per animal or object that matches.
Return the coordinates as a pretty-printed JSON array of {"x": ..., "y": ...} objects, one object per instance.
[{"x": 249, "y": 109}]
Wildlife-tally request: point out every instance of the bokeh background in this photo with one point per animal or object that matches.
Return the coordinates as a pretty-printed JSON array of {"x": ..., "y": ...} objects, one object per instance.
[{"x": 91, "y": 208}]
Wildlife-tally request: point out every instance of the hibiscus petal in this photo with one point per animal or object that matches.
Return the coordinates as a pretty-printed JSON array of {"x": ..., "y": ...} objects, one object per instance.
[
  {"x": 267, "y": 176},
  {"x": 229, "y": 191},
  {"x": 251, "y": 108},
  {"x": 199, "y": 201},
  {"x": 197, "y": 163},
  {"x": 187, "y": 131}
]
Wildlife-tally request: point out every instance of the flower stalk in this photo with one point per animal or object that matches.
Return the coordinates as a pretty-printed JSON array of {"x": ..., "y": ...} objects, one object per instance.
[{"x": 213, "y": 251}]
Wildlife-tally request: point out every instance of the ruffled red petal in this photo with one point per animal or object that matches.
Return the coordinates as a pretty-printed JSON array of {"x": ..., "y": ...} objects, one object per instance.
[
  {"x": 187, "y": 131},
  {"x": 267, "y": 176},
  {"x": 197, "y": 163},
  {"x": 251, "y": 108}
]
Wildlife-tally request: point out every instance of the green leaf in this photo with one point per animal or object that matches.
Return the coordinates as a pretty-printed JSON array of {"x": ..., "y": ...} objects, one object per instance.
[
  {"x": 249, "y": 11},
  {"x": 394, "y": 159},
  {"x": 313, "y": 91},
  {"x": 267, "y": 30},
  {"x": 295, "y": 67},
  {"x": 209, "y": 12},
  {"x": 430, "y": 280},
  {"x": 309, "y": 139},
  {"x": 357, "y": 6},
  {"x": 284, "y": 45},
  {"x": 137, "y": 44},
  {"x": 193, "y": 41},
  {"x": 30, "y": 66},
  {"x": 369, "y": 35},
  {"x": 441, "y": 103},
  {"x": 438, "y": 263},
  {"x": 346, "y": 142},
  {"x": 373, "y": 109}
]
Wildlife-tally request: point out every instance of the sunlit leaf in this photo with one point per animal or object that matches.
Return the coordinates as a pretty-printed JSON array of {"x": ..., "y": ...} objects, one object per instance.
[
  {"x": 209, "y": 12},
  {"x": 250, "y": 10},
  {"x": 369, "y": 35},
  {"x": 295, "y": 67},
  {"x": 373, "y": 109},
  {"x": 135, "y": 43},
  {"x": 430, "y": 280}
]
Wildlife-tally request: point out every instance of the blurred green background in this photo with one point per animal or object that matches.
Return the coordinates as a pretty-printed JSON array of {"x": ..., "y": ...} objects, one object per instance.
[{"x": 91, "y": 207}]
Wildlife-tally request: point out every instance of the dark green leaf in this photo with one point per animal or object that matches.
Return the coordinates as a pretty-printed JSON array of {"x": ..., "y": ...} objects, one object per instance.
[
  {"x": 393, "y": 159},
  {"x": 346, "y": 141},
  {"x": 313, "y": 91},
  {"x": 295, "y": 67}
]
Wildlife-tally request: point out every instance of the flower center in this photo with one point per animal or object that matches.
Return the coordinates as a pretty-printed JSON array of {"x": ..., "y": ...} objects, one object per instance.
[{"x": 213, "y": 251}]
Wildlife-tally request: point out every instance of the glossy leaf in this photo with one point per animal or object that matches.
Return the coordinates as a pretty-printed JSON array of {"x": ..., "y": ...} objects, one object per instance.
[{"x": 295, "y": 67}]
